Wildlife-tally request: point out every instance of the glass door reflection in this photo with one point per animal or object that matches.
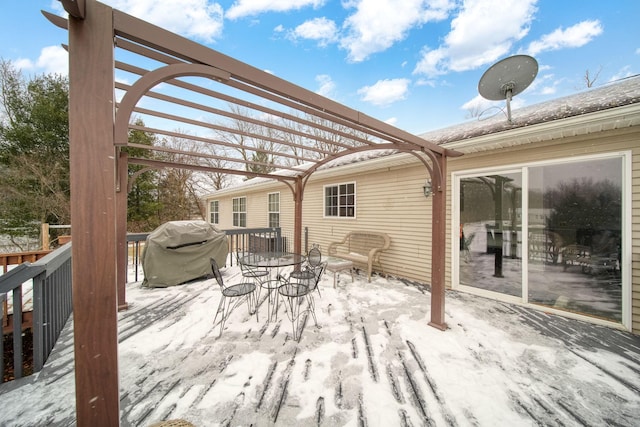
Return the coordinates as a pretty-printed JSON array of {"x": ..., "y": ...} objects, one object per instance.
[{"x": 491, "y": 233}]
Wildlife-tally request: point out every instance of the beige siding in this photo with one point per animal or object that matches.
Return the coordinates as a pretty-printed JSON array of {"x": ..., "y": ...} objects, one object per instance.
[
  {"x": 390, "y": 199},
  {"x": 392, "y": 202}
]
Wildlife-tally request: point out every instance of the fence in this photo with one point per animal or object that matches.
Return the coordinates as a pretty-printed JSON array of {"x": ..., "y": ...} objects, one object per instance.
[{"x": 49, "y": 279}]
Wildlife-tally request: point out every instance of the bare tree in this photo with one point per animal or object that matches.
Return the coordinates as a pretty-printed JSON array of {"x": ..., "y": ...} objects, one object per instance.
[
  {"x": 590, "y": 80},
  {"x": 177, "y": 188},
  {"x": 244, "y": 135}
]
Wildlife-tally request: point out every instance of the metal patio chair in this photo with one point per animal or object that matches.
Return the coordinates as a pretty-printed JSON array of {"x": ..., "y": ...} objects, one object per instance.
[
  {"x": 232, "y": 296},
  {"x": 307, "y": 272},
  {"x": 251, "y": 272},
  {"x": 295, "y": 293}
]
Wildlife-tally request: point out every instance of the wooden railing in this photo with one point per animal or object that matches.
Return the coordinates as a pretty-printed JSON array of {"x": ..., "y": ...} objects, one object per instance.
[
  {"x": 49, "y": 279},
  {"x": 19, "y": 257}
]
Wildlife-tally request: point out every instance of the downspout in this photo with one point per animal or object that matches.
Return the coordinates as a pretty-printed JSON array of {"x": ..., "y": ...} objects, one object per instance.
[
  {"x": 121, "y": 226},
  {"x": 297, "y": 226}
]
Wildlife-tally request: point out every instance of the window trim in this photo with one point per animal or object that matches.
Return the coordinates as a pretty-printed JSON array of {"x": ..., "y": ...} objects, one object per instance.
[
  {"x": 269, "y": 211},
  {"x": 216, "y": 212},
  {"x": 324, "y": 201},
  {"x": 240, "y": 212}
]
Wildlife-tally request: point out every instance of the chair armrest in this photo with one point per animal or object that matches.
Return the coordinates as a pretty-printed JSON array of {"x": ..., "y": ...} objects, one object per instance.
[{"x": 333, "y": 246}]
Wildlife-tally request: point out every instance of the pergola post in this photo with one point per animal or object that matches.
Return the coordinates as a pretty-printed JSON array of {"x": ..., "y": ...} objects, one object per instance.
[
  {"x": 93, "y": 215},
  {"x": 438, "y": 245}
]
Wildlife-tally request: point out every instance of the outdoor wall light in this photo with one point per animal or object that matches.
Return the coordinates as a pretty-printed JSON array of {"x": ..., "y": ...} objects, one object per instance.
[{"x": 428, "y": 189}]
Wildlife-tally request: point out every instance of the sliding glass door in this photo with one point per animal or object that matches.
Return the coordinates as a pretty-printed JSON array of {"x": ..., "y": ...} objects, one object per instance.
[
  {"x": 575, "y": 231},
  {"x": 549, "y": 235}
]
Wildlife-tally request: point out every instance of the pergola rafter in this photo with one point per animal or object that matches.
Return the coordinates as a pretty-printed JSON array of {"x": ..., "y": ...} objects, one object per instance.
[{"x": 237, "y": 116}]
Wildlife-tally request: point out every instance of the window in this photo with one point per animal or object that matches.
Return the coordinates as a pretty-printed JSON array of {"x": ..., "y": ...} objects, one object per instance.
[
  {"x": 340, "y": 200},
  {"x": 240, "y": 212},
  {"x": 214, "y": 212},
  {"x": 274, "y": 210}
]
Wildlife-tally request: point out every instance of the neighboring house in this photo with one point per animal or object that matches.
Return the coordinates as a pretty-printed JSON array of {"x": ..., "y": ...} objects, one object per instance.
[{"x": 543, "y": 210}]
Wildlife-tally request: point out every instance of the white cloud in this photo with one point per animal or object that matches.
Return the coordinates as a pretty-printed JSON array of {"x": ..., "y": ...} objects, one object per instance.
[
  {"x": 23, "y": 64},
  {"x": 482, "y": 32},
  {"x": 622, "y": 73},
  {"x": 426, "y": 82},
  {"x": 377, "y": 24},
  {"x": 327, "y": 85},
  {"x": 322, "y": 30},
  {"x": 548, "y": 90},
  {"x": 242, "y": 8},
  {"x": 391, "y": 121},
  {"x": 385, "y": 92},
  {"x": 477, "y": 105},
  {"x": 57, "y": 7},
  {"x": 198, "y": 19},
  {"x": 574, "y": 36},
  {"x": 54, "y": 59}
]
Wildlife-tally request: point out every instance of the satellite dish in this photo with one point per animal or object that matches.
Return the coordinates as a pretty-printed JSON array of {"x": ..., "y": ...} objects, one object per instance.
[{"x": 507, "y": 78}]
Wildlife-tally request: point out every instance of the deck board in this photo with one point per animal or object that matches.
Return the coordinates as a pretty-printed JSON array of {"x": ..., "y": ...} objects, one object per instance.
[{"x": 373, "y": 361}]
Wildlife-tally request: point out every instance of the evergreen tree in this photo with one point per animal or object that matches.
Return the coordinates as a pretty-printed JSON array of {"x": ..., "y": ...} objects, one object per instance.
[
  {"x": 143, "y": 203},
  {"x": 34, "y": 151}
]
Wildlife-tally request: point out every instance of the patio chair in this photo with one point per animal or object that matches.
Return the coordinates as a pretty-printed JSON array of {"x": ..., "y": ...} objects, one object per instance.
[
  {"x": 295, "y": 293},
  {"x": 232, "y": 296},
  {"x": 250, "y": 272},
  {"x": 307, "y": 272}
]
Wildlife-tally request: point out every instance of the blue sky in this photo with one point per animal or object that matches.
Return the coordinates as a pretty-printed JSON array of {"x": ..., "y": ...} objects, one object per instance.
[{"x": 413, "y": 63}]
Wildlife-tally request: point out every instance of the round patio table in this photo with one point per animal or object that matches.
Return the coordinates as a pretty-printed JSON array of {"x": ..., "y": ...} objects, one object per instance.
[{"x": 272, "y": 260}]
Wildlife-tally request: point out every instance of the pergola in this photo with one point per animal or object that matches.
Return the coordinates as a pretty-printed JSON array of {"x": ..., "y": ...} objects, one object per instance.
[{"x": 177, "y": 83}]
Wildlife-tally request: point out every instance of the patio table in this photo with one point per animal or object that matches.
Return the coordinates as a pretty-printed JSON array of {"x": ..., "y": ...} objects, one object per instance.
[{"x": 272, "y": 260}]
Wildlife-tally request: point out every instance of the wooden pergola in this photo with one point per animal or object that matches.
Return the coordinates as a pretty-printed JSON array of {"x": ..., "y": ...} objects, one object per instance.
[{"x": 176, "y": 82}]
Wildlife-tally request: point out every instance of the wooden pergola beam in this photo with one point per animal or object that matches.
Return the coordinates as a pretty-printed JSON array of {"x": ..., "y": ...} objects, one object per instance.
[{"x": 75, "y": 8}]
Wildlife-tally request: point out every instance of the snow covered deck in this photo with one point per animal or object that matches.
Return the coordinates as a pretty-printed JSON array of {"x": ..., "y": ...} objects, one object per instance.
[{"x": 373, "y": 362}]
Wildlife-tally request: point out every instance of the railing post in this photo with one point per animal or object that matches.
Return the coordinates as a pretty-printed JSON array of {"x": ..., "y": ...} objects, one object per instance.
[
  {"x": 38, "y": 322},
  {"x": 45, "y": 236},
  {"x": 278, "y": 239},
  {"x": 17, "y": 333},
  {"x": 3, "y": 301}
]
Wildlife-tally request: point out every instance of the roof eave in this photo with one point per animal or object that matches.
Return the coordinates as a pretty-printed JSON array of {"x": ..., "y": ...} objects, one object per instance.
[{"x": 599, "y": 121}]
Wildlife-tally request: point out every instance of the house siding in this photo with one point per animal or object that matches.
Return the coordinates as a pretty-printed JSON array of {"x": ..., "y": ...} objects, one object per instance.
[
  {"x": 390, "y": 199},
  {"x": 391, "y": 202}
]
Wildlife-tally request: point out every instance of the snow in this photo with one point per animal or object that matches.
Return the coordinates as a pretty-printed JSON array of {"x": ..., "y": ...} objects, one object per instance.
[{"x": 372, "y": 361}]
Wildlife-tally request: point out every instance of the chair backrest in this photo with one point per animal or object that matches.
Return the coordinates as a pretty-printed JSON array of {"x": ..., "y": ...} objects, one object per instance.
[
  {"x": 216, "y": 272},
  {"x": 319, "y": 271},
  {"x": 314, "y": 258}
]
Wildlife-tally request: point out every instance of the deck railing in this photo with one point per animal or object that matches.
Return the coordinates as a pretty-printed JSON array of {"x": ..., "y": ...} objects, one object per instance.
[
  {"x": 256, "y": 240},
  {"x": 50, "y": 281},
  {"x": 240, "y": 240}
]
